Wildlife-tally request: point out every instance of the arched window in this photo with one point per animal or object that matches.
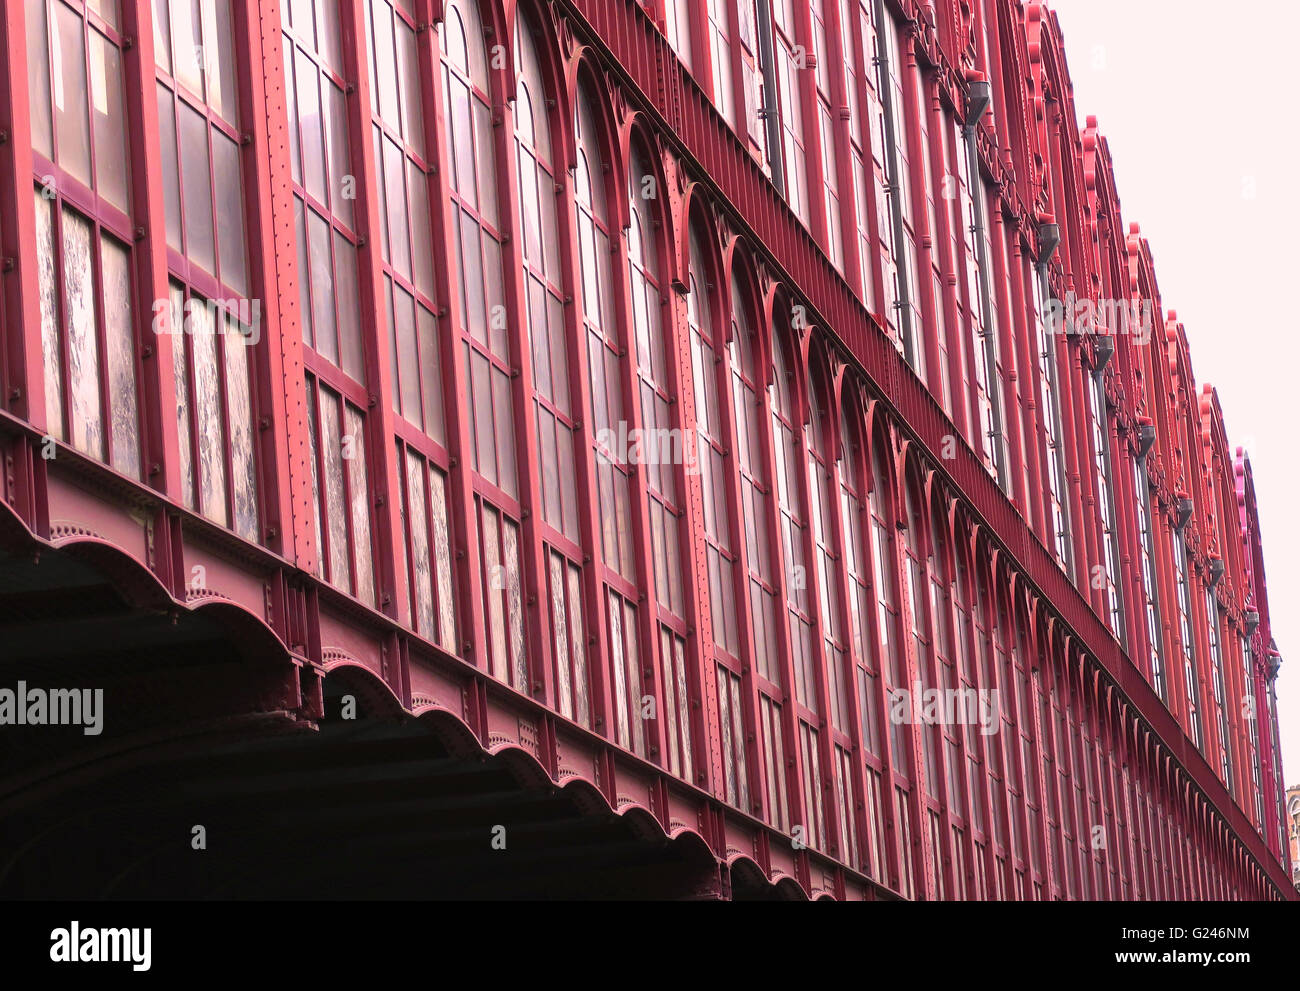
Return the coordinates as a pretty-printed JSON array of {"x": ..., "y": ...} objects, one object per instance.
[
  {"x": 604, "y": 342},
  {"x": 401, "y": 161},
  {"x": 889, "y": 646},
  {"x": 477, "y": 226},
  {"x": 665, "y": 448},
  {"x": 722, "y": 551},
  {"x": 915, "y": 588},
  {"x": 552, "y": 397},
  {"x": 857, "y": 571},
  {"x": 793, "y": 520},
  {"x": 941, "y": 612},
  {"x": 821, "y": 481},
  {"x": 798, "y": 602},
  {"x": 747, "y": 408}
]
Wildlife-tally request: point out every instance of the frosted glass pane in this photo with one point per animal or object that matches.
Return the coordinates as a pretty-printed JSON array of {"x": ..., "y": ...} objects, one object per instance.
[
  {"x": 514, "y": 604},
  {"x": 496, "y": 617},
  {"x": 47, "y": 280},
  {"x": 361, "y": 508},
  {"x": 179, "y": 365},
  {"x": 121, "y": 357},
  {"x": 560, "y": 623},
  {"x": 240, "y": 409},
  {"x": 313, "y": 432},
  {"x": 442, "y": 558},
  {"x": 335, "y": 496},
  {"x": 418, "y": 523},
  {"x": 86, "y": 424},
  {"x": 207, "y": 404}
]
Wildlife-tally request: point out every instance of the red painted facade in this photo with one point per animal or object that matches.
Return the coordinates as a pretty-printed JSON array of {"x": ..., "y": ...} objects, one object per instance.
[{"x": 468, "y": 248}]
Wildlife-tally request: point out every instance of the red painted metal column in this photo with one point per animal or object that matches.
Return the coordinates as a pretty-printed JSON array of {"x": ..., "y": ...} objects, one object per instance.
[
  {"x": 387, "y": 541},
  {"x": 286, "y": 448},
  {"x": 149, "y": 257},
  {"x": 23, "y": 358}
]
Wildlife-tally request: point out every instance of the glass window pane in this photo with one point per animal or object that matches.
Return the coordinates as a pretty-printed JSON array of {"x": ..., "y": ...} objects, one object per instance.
[
  {"x": 49, "y": 295},
  {"x": 418, "y": 185},
  {"x": 68, "y": 76},
  {"x": 409, "y": 80},
  {"x": 430, "y": 375},
  {"x": 187, "y": 44},
  {"x": 240, "y": 408},
  {"x": 230, "y": 213},
  {"x": 79, "y": 295},
  {"x": 179, "y": 366},
  {"x": 322, "y": 286},
  {"x": 219, "y": 49},
  {"x": 442, "y": 553},
  {"x": 395, "y": 196},
  {"x": 312, "y": 127},
  {"x": 38, "y": 70},
  {"x": 196, "y": 188},
  {"x": 342, "y": 182},
  {"x": 360, "y": 507},
  {"x": 121, "y": 356},
  {"x": 419, "y": 529},
  {"x": 385, "y": 62},
  {"x": 408, "y": 367},
  {"x": 335, "y": 494},
  {"x": 162, "y": 49},
  {"x": 304, "y": 273},
  {"x": 110, "y": 120},
  {"x": 207, "y": 403},
  {"x": 345, "y": 271},
  {"x": 170, "y": 175}
]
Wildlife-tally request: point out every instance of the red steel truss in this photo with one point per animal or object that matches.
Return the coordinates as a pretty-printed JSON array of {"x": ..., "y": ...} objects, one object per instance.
[{"x": 471, "y": 249}]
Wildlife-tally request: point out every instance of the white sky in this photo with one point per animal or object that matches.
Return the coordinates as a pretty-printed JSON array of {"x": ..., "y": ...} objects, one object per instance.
[{"x": 1191, "y": 95}]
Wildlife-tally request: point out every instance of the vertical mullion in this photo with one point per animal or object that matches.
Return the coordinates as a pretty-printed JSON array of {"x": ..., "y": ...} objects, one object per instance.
[
  {"x": 387, "y": 539},
  {"x": 650, "y": 654},
  {"x": 23, "y": 358}
]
